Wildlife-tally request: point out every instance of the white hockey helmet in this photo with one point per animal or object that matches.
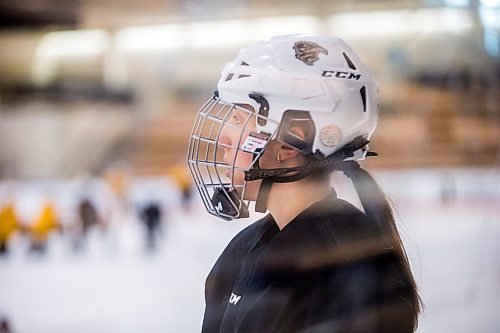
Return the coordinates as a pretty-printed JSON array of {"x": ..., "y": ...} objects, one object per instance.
[
  {"x": 318, "y": 74},
  {"x": 319, "y": 80}
]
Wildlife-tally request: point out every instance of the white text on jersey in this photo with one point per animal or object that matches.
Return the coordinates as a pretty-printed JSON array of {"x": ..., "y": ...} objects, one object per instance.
[{"x": 234, "y": 299}]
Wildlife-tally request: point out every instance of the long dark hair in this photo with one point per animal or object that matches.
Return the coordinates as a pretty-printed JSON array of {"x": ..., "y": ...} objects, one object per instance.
[{"x": 377, "y": 206}]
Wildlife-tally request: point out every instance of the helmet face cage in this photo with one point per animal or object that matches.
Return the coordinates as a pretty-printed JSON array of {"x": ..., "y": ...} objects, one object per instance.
[{"x": 222, "y": 193}]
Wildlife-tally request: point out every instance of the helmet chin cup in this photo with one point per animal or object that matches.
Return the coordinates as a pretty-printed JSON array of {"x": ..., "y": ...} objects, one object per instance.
[{"x": 226, "y": 202}]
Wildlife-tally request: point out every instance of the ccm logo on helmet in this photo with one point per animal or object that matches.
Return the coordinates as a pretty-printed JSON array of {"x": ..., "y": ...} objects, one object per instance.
[{"x": 341, "y": 75}]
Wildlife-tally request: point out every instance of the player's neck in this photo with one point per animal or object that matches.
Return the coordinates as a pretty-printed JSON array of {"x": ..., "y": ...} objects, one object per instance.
[{"x": 287, "y": 200}]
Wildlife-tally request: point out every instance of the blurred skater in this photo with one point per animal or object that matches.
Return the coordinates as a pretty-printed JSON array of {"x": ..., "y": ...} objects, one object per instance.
[
  {"x": 9, "y": 224},
  {"x": 5, "y": 326},
  {"x": 448, "y": 188},
  {"x": 151, "y": 218},
  {"x": 184, "y": 183},
  {"x": 118, "y": 177},
  {"x": 88, "y": 218},
  {"x": 46, "y": 223}
]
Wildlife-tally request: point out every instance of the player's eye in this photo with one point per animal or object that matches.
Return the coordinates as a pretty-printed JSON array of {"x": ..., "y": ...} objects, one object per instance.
[{"x": 234, "y": 119}]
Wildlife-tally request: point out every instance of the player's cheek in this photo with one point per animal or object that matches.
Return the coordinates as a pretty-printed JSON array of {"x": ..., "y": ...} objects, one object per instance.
[{"x": 244, "y": 159}]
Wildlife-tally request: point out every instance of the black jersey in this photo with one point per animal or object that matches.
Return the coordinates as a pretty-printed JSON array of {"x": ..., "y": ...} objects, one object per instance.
[{"x": 328, "y": 270}]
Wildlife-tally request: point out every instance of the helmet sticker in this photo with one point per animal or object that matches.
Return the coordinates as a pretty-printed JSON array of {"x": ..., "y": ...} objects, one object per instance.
[
  {"x": 308, "y": 52},
  {"x": 330, "y": 135},
  {"x": 255, "y": 142}
]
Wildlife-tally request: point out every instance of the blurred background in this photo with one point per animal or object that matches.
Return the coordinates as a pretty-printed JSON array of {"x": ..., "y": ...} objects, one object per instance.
[{"x": 99, "y": 231}]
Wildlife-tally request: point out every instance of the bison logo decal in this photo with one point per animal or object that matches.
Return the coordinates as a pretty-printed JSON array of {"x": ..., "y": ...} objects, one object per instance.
[{"x": 308, "y": 52}]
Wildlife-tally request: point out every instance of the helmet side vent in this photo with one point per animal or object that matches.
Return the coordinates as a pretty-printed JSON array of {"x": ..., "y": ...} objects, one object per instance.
[
  {"x": 230, "y": 76},
  {"x": 362, "y": 91},
  {"x": 349, "y": 61}
]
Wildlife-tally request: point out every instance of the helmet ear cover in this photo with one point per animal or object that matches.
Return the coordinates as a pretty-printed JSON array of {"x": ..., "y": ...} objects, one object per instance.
[{"x": 297, "y": 130}]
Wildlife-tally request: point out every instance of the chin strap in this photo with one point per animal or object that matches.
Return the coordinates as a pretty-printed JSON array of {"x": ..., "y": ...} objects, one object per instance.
[
  {"x": 287, "y": 175},
  {"x": 349, "y": 168},
  {"x": 261, "y": 202}
]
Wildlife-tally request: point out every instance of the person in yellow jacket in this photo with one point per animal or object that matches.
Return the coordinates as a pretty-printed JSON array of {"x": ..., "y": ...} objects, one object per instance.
[
  {"x": 9, "y": 224},
  {"x": 183, "y": 180},
  {"x": 46, "y": 223}
]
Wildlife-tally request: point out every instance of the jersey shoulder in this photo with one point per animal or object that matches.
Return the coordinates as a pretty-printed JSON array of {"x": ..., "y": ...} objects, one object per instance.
[
  {"x": 331, "y": 233},
  {"x": 348, "y": 223},
  {"x": 354, "y": 233}
]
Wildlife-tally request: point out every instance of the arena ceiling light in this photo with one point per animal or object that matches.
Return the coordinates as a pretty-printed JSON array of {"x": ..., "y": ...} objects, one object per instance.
[
  {"x": 157, "y": 38},
  {"x": 227, "y": 33},
  {"x": 490, "y": 3},
  {"x": 457, "y": 3},
  {"x": 204, "y": 35},
  {"x": 399, "y": 22},
  {"x": 73, "y": 43},
  {"x": 489, "y": 14},
  {"x": 66, "y": 44}
]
